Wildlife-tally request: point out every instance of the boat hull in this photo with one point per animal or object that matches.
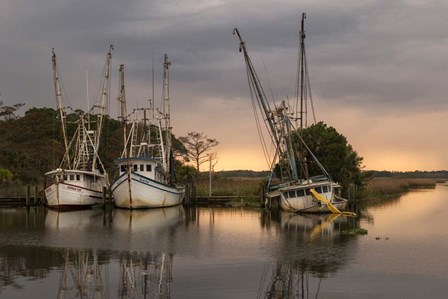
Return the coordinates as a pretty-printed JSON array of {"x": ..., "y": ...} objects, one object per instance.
[
  {"x": 74, "y": 189},
  {"x": 135, "y": 191},
  {"x": 63, "y": 196},
  {"x": 305, "y": 202}
]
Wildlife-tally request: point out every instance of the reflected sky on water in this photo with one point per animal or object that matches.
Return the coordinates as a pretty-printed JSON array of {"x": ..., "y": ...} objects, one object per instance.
[{"x": 227, "y": 252}]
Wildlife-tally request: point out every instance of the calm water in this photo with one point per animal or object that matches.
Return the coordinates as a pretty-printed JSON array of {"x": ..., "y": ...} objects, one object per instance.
[{"x": 227, "y": 253}]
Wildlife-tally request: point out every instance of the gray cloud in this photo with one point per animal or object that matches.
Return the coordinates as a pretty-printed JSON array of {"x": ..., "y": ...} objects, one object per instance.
[{"x": 381, "y": 57}]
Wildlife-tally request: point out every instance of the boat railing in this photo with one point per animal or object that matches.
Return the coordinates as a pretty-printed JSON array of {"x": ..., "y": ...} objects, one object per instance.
[{"x": 318, "y": 178}]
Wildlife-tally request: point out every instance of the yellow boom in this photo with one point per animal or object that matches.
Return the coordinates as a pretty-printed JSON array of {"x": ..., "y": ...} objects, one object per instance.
[{"x": 330, "y": 206}]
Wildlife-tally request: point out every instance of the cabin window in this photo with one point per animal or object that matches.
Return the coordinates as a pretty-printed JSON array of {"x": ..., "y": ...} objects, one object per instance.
[
  {"x": 319, "y": 189},
  {"x": 142, "y": 167},
  {"x": 78, "y": 178},
  {"x": 292, "y": 194},
  {"x": 307, "y": 192},
  {"x": 300, "y": 193},
  {"x": 325, "y": 189},
  {"x": 148, "y": 167},
  {"x": 72, "y": 177},
  {"x": 123, "y": 168},
  {"x": 135, "y": 167},
  {"x": 65, "y": 177}
]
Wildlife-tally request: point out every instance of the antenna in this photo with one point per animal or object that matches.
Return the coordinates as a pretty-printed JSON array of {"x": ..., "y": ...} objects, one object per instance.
[{"x": 88, "y": 99}]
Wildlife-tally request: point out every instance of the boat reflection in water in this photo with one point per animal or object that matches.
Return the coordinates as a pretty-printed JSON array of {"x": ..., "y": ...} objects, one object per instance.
[
  {"x": 147, "y": 220},
  {"x": 86, "y": 274},
  {"x": 82, "y": 275},
  {"x": 138, "y": 271},
  {"x": 79, "y": 219},
  {"x": 145, "y": 274},
  {"x": 312, "y": 246}
]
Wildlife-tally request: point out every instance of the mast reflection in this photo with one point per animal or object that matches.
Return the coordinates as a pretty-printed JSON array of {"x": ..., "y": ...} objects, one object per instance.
[{"x": 311, "y": 247}]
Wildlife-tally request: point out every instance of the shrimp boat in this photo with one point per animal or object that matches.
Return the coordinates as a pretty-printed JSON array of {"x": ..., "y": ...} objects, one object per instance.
[
  {"x": 79, "y": 180},
  {"x": 146, "y": 167},
  {"x": 289, "y": 181}
]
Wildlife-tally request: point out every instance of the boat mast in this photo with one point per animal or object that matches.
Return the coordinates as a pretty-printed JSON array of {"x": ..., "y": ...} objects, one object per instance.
[
  {"x": 302, "y": 72},
  {"x": 303, "y": 85},
  {"x": 123, "y": 113},
  {"x": 58, "y": 92},
  {"x": 102, "y": 105},
  {"x": 303, "y": 90},
  {"x": 259, "y": 92},
  {"x": 278, "y": 120},
  {"x": 166, "y": 116}
]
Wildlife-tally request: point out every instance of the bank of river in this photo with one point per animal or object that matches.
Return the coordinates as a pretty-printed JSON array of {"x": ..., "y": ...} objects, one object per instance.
[{"x": 227, "y": 252}]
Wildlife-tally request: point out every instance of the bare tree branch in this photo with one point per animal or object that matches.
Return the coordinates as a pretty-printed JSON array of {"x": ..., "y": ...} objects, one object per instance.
[{"x": 197, "y": 145}]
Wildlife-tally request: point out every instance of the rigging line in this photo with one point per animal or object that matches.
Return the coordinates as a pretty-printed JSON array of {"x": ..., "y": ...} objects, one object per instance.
[
  {"x": 257, "y": 121},
  {"x": 309, "y": 90},
  {"x": 63, "y": 91},
  {"x": 315, "y": 158},
  {"x": 261, "y": 96},
  {"x": 269, "y": 80},
  {"x": 260, "y": 131},
  {"x": 296, "y": 87}
]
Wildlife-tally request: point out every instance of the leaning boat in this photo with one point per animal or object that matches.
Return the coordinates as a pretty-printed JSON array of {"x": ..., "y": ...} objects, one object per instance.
[
  {"x": 79, "y": 180},
  {"x": 289, "y": 181},
  {"x": 146, "y": 167}
]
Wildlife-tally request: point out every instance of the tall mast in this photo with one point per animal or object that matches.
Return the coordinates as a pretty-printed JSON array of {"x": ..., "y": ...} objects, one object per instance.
[
  {"x": 104, "y": 96},
  {"x": 166, "y": 113},
  {"x": 303, "y": 91},
  {"x": 302, "y": 71},
  {"x": 103, "y": 102},
  {"x": 123, "y": 113},
  {"x": 152, "y": 89},
  {"x": 57, "y": 89},
  {"x": 259, "y": 92},
  {"x": 278, "y": 122}
]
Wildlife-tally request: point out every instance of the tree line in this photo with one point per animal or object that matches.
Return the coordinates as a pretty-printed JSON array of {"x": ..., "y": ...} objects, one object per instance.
[{"x": 31, "y": 144}]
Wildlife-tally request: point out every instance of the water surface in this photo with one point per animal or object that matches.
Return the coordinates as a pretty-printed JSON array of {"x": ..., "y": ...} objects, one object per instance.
[{"x": 227, "y": 252}]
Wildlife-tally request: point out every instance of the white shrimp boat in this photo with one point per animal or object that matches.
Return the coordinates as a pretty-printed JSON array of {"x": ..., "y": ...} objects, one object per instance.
[
  {"x": 146, "y": 177},
  {"x": 289, "y": 182},
  {"x": 79, "y": 180}
]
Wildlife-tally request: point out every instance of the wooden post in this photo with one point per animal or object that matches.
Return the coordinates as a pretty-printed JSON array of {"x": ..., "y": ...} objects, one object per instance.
[
  {"x": 103, "y": 202},
  {"x": 42, "y": 199},
  {"x": 110, "y": 196},
  {"x": 187, "y": 194},
  {"x": 262, "y": 199},
  {"x": 36, "y": 194},
  {"x": 193, "y": 192},
  {"x": 27, "y": 195}
]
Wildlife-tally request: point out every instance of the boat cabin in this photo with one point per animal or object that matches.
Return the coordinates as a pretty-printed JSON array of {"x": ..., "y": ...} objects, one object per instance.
[
  {"x": 305, "y": 191},
  {"x": 76, "y": 177},
  {"x": 147, "y": 167}
]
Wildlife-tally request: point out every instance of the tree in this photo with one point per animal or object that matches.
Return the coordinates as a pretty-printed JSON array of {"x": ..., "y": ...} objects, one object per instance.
[
  {"x": 5, "y": 175},
  {"x": 336, "y": 155},
  {"x": 9, "y": 112},
  {"x": 197, "y": 146}
]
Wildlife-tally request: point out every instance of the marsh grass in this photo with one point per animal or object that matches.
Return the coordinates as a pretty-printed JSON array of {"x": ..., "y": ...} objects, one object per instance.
[
  {"x": 248, "y": 188},
  {"x": 390, "y": 187}
]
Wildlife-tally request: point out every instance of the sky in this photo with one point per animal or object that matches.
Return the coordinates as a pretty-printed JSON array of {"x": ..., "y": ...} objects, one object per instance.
[{"x": 378, "y": 69}]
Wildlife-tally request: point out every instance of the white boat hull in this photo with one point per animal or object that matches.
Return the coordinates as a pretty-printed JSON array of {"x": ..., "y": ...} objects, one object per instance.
[
  {"x": 74, "y": 189},
  {"x": 140, "y": 192},
  {"x": 61, "y": 195},
  {"x": 306, "y": 203}
]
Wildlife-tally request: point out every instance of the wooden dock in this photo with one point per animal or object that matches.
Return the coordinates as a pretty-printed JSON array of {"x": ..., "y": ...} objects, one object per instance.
[
  {"x": 20, "y": 201},
  {"x": 216, "y": 199}
]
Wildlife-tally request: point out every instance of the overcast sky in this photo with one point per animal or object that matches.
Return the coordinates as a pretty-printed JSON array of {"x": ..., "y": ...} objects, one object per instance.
[{"x": 378, "y": 69}]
